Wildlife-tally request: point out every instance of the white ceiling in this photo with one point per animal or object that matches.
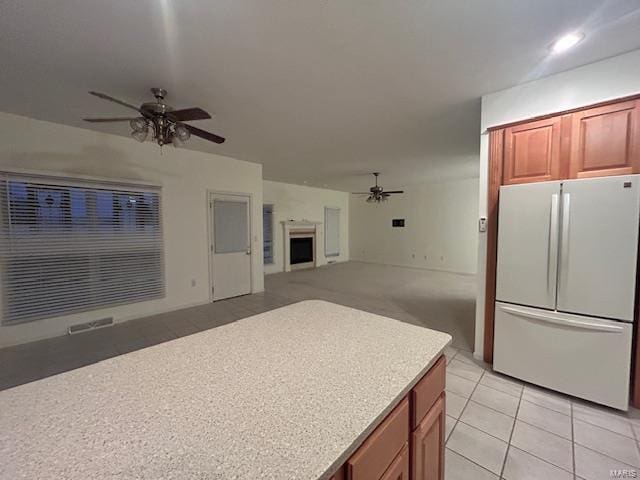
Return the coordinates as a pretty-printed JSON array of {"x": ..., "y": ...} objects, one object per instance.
[{"x": 319, "y": 91}]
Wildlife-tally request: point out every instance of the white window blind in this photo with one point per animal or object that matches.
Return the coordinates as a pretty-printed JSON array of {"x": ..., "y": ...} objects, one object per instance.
[
  {"x": 231, "y": 226},
  {"x": 331, "y": 232},
  {"x": 267, "y": 230},
  {"x": 72, "y": 245}
]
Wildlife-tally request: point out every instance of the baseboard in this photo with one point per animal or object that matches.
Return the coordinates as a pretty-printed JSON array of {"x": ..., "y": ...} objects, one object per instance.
[{"x": 116, "y": 321}]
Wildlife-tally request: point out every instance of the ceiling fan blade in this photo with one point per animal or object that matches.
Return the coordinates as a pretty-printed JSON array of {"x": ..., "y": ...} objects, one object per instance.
[
  {"x": 115, "y": 100},
  {"x": 212, "y": 137},
  {"x": 360, "y": 193},
  {"x": 187, "y": 114},
  {"x": 104, "y": 120},
  {"x": 395, "y": 191}
]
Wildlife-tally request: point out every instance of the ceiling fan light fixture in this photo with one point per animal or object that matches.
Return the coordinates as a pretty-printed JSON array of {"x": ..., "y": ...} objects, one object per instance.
[
  {"x": 176, "y": 141},
  {"x": 140, "y": 135},
  {"x": 182, "y": 133},
  {"x": 139, "y": 124}
]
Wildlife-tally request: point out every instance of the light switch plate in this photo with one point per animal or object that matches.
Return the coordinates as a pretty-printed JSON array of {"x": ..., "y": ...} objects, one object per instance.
[{"x": 482, "y": 224}]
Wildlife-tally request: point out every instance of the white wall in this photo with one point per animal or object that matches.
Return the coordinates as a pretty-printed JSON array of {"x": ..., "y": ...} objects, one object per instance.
[
  {"x": 185, "y": 177},
  {"x": 297, "y": 202},
  {"x": 597, "y": 82},
  {"x": 440, "y": 227}
]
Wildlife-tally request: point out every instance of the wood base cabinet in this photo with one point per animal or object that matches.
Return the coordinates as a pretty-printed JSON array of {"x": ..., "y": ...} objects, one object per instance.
[
  {"x": 427, "y": 444},
  {"x": 409, "y": 443}
]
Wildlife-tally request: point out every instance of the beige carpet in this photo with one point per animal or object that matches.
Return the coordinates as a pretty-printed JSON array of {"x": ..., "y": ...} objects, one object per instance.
[{"x": 439, "y": 300}]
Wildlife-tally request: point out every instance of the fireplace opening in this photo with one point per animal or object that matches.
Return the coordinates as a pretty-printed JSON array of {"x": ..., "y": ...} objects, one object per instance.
[{"x": 301, "y": 250}]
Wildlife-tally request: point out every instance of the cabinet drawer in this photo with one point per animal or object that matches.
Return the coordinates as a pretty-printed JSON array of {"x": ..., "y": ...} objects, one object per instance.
[
  {"x": 427, "y": 391},
  {"x": 378, "y": 451}
]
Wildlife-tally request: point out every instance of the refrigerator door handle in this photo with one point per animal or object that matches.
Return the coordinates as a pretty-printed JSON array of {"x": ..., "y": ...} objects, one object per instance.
[
  {"x": 564, "y": 322},
  {"x": 552, "y": 259},
  {"x": 564, "y": 241}
]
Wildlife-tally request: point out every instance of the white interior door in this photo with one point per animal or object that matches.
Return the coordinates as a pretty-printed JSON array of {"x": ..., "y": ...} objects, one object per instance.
[
  {"x": 528, "y": 244},
  {"x": 599, "y": 245},
  {"x": 230, "y": 245}
]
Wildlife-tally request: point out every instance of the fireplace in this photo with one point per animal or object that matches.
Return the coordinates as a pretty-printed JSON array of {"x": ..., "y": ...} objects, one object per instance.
[
  {"x": 299, "y": 244},
  {"x": 301, "y": 250}
]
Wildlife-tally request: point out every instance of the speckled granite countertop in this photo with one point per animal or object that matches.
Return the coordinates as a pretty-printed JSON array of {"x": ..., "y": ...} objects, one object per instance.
[{"x": 287, "y": 394}]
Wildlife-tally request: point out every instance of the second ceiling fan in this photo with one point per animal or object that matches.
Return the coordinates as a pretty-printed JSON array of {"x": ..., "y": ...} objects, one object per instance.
[{"x": 376, "y": 194}]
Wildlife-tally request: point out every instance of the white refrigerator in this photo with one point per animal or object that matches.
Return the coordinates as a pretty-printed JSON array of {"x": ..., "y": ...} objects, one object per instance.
[{"x": 565, "y": 291}]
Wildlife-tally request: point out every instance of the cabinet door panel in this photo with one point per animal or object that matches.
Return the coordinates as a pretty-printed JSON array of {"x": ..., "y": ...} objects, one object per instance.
[
  {"x": 427, "y": 391},
  {"x": 428, "y": 444},
  {"x": 379, "y": 450},
  {"x": 605, "y": 141},
  {"x": 532, "y": 152},
  {"x": 399, "y": 468},
  {"x": 339, "y": 475}
]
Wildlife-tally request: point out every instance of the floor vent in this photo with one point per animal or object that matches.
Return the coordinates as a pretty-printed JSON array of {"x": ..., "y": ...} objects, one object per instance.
[{"x": 83, "y": 327}]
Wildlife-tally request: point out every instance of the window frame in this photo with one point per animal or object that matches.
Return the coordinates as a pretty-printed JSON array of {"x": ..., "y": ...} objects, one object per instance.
[
  {"x": 326, "y": 230},
  {"x": 272, "y": 257}
]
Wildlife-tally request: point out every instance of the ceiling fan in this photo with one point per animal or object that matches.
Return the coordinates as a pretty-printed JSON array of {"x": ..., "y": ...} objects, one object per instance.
[
  {"x": 377, "y": 193},
  {"x": 167, "y": 124}
]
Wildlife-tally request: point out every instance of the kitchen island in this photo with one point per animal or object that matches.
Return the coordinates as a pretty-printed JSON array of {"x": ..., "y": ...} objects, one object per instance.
[{"x": 290, "y": 393}]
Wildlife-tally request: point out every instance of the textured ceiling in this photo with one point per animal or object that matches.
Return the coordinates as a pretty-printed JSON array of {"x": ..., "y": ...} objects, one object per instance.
[{"x": 317, "y": 91}]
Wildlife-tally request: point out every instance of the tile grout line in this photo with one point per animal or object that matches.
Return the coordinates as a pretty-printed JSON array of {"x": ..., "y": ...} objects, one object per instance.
[
  {"x": 490, "y": 408},
  {"x": 465, "y": 403},
  {"x": 573, "y": 443},
  {"x": 513, "y": 427},
  {"x": 603, "y": 455},
  {"x": 599, "y": 452},
  {"x": 539, "y": 458},
  {"x": 471, "y": 461},
  {"x": 600, "y": 426},
  {"x": 635, "y": 436},
  {"x": 460, "y": 421},
  {"x": 521, "y": 421},
  {"x": 468, "y": 400}
]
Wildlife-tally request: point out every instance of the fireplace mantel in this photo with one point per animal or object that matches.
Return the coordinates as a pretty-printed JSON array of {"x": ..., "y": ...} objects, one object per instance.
[
  {"x": 300, "y": 223},
  {"x": 296, "y": 228}
]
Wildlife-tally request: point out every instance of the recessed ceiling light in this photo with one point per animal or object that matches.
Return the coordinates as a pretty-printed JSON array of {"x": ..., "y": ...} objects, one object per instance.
[{"x": 567, "y": 41}]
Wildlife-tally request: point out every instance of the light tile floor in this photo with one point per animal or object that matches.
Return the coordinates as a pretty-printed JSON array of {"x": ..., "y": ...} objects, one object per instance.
[{"x": 501, "y": 428}]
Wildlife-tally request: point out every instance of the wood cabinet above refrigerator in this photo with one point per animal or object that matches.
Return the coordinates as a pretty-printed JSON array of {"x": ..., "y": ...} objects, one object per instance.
[
  {"x": 595, "y": 142},
  {"x": 606, "y": 140},
  {"x": 532, "y": 152}
]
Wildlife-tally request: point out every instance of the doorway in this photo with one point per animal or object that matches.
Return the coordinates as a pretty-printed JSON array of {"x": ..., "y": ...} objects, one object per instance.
[{"x": 230, "y": 249}]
